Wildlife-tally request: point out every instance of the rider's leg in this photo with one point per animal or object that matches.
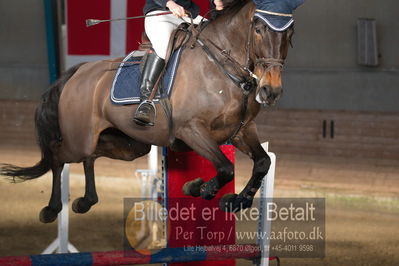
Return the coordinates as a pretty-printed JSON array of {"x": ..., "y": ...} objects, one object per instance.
[
  {"x": 158, "y": 29},
  {"x": 145, "y": 113}
]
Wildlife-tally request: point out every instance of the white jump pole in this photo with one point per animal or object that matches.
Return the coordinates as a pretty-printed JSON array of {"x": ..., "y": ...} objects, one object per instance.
[
  {"x": 153, "y": 159},
  {"x": 266, "y": 196},
  {"x": 61, "y": 243},
  {"x": 148, "y": 176}
]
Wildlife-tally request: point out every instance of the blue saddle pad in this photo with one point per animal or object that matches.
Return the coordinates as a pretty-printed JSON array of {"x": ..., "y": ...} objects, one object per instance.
[{"x": 126, "y": 85}]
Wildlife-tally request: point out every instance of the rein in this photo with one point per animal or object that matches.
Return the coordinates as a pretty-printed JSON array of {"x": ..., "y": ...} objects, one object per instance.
[
  {"x": 243, "y": 69},
  {"x": 249, "y": 80},
  {"x": 246, "y": 83}
]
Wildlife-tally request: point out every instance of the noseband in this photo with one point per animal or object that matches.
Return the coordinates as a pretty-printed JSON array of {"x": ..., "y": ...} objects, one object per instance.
[
  {"x": 268, "y": 63},
  {"x": 247, "y": 81}
]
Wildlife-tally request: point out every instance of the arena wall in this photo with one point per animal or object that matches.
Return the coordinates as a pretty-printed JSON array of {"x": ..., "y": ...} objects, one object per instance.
[
  {"x": 322, "y": 70},
  {"x": 23, "y": 51},
  {"x": 355, "y": 134}
]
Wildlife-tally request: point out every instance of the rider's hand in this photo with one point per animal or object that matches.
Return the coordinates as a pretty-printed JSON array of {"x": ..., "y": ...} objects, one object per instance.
[
  {"x": 176, "y": 9},
  {"x": 219, "y": 4}
]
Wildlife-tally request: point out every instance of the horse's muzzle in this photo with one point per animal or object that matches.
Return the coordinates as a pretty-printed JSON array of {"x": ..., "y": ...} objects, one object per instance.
[{"x": 269, "y": 95}]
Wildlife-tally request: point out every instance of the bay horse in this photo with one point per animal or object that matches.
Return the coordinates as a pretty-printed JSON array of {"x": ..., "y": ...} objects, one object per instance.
[{"x": 76, "y": 121}]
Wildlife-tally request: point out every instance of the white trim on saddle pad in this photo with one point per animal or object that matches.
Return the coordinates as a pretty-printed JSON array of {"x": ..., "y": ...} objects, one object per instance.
[
  {"x": 129, "y": 99},
  {"x": 136, "y": 100}
]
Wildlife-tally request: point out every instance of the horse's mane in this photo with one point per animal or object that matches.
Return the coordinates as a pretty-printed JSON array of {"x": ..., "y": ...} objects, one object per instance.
[{"x": 231, "y": 8}]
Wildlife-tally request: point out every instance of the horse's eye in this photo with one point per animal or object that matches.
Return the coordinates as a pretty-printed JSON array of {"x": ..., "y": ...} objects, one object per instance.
[{"x": 257, "y": 30}]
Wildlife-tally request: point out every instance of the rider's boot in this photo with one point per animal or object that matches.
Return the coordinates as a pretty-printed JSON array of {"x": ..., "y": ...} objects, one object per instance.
[{"x": 145, "y": 113}]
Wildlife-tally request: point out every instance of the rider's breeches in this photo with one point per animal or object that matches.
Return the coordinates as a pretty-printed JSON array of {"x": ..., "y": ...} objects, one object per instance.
[{"x": 159, "y": 29}]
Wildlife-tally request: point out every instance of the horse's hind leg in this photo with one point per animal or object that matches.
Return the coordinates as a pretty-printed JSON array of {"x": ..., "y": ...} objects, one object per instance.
[
  {"x": 49, "y": 213},
  {"x": 247, "y": 141},
  {"x": 113, "y": 144},
  {"x": 83, "y": 204},
  {"x": 198, "y": 138}
]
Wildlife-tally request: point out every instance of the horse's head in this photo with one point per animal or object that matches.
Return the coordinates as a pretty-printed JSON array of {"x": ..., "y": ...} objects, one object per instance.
[
  {"x": 270, "y": 50},
  {"x": 272, "y": 29}
]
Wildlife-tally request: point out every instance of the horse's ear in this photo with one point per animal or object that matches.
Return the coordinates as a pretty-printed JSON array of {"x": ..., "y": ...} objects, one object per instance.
[{"x": 289, "y": 36}]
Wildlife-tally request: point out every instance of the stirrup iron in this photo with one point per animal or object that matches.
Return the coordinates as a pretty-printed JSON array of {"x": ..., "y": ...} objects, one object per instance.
[{"x": 145, "y": 117}]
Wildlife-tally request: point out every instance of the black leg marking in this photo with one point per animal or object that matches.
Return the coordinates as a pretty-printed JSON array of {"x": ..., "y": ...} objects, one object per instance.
[
  {"x": 83, "y": 204},
  {"x": 247, "y": 141},
  {"x": 49, "y": 213}
]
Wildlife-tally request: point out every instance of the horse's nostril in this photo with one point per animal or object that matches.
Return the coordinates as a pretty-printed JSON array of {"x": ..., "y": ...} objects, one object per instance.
[
  {"x": 263, "y": 92},
  {"x": 267, "y": 90},
  {"x": 270, "y": 92},
  {"x": 272, "y": 97}
]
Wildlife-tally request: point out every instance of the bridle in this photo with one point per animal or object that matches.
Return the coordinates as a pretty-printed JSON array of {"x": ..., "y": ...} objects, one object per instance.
[
  {"x": 247, "y": 81},
  {"x": 247, "y": 78},
  {"x": 268, "y": 63}
]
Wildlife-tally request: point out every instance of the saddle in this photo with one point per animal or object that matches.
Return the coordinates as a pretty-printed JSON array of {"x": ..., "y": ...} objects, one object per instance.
[{"x": 125, "y": 87}]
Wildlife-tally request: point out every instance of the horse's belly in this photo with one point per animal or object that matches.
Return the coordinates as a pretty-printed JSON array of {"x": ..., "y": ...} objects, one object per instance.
[{"x": 122, "y": 118}]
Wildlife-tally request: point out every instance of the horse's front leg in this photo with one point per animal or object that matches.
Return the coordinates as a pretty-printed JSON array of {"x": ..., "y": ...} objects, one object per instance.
[
  {"x": 247, "y": 141},
  {"x": 200, "y": 140}
]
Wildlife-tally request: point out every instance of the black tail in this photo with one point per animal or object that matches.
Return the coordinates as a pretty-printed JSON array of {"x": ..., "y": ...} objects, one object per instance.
[{"x": 47, "y": 131}]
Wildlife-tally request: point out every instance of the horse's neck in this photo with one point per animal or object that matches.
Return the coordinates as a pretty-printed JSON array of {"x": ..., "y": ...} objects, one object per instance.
[{"x": 230, "y": 33}]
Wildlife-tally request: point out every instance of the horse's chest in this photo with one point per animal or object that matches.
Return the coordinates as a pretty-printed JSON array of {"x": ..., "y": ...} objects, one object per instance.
[{"x": 224, "y": 124}]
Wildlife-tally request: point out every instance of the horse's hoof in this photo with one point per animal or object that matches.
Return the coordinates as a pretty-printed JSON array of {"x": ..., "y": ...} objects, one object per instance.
[
  {"x": 81, "y": 205},
  {"x": 209, "y": 190},
  {"x": 48, "y": 215},
  {"x": 234, "y": 203},
  {"x": 192, "y": 188},
  {"x": 226, "y": 203}
]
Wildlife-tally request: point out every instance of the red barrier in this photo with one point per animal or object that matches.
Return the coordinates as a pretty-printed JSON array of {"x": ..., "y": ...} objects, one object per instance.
[{"x": 181, "y": 167}]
